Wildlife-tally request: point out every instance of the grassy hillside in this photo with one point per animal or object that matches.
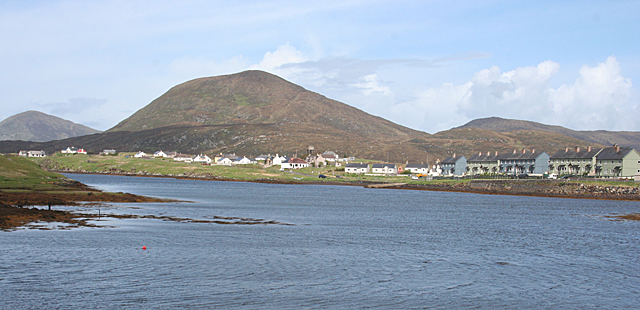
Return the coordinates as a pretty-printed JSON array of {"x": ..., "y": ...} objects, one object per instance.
[{"x": 19, "y": 173}]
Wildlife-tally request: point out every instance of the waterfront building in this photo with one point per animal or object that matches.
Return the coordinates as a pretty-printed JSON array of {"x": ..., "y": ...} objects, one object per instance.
[
  {"x": 536, "y": 163},
  {"x": 455, "y": 165},
  {"x": 576, "y": 161},
  {"x": 483, "y": 163},
  {"x": 618, "y": 162}
]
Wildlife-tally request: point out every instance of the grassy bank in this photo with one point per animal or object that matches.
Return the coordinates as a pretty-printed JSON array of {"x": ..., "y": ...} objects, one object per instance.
[{"x": 23, "y": 183}]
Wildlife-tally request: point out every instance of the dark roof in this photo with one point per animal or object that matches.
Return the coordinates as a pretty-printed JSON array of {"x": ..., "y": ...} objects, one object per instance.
[
  {"x": 484, "y": 157},
  {"x": 356, "y": 165},
  {"x": 610, "y": 153},
  {"x": 383, "y": 165},
  {"x": 572, "y": 154},
  {"x": 520, "y": 155},
  {"x": 418, "y": 166},
  {"x": 452, "y": 159}
]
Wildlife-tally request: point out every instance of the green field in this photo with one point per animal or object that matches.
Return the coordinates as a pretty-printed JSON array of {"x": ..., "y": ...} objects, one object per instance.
[
  {"x": 21, "y": 173},
  {"x": 125, "y": 163}
]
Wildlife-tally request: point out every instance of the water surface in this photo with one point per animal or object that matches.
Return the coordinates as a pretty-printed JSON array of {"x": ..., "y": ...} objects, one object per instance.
[{"x": 349, "y": 247}]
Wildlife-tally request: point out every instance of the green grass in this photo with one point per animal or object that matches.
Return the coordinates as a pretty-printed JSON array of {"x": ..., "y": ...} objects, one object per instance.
[
  {"x": 607, "y": 183},
  {"x": 19, "y": 172}
]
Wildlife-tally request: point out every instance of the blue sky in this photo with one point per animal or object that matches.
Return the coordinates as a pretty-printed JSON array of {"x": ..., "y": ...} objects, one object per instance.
[{"x": 428, "y": 65}]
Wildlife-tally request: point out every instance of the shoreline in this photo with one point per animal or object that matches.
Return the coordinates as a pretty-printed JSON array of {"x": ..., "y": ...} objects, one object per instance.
[{"x": 513, "y": 187}]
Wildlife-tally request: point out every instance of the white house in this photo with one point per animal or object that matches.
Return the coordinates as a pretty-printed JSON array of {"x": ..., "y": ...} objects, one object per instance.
[
  {"x": 384, "y": 168},
  {"x": 295, "y": 163},
  {"x": 418, "y": 168},
  {"x": 202, "y": 159},
  {"x": 140, "y": 155},
  {"x": 171, "y": 154},
  {"x": 242, "y": 161},
  {"x": 36, "y": 154},
  {"x": 70, "y": 150},
  {"x": 224, "y": 161},
  {"x": 183, "y": 157},
  {"x": 330, "y": 156},
  {"x": 160, "y": 153},
  {"x": 278, "y": 160},
  {"x": 356, "y": 168},
  {"x": 33, "y": 153}
]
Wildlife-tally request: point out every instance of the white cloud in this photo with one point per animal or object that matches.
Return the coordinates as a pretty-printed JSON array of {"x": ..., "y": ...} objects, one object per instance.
[
  {"x": 601, "y": 98},
  {"x": 284, "y": 54},
  {"x": 370, "y": 85}
]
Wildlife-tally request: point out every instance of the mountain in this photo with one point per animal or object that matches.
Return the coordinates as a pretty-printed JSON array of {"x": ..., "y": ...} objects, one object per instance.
[
  {"x": 40, "y": 127},
  {"x": 257, "y": 97},
  {"x": 603, "y": 137},
  {"x": 254, "y": 112}
]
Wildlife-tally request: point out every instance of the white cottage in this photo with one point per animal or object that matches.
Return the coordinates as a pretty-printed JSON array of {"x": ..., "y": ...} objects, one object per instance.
[
  {"x": 224, "y": 161},
  {"x": 204, "y": 159}
]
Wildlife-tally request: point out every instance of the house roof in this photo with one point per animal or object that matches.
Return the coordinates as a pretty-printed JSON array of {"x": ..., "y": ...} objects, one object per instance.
[
  {"x": 520, "y": 155},
  {"x": 392, "y": 166},
  {"x": 356, "y": 165},
  {"x": 417, "y": 166},
  {"x": 573, "y": 154},
  {"x": 614, "y": 152},
  {"x": 296, "y": 160},
  {"x": 483, "y": 157},
  {"x": 452, "y": 159}
]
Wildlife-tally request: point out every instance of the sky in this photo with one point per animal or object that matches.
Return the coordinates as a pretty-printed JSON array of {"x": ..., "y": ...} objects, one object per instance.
[{"x": 427, "y": 65}]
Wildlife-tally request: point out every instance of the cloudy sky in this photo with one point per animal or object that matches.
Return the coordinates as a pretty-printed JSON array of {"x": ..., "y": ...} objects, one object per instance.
[{"x": 428, "y": 65}]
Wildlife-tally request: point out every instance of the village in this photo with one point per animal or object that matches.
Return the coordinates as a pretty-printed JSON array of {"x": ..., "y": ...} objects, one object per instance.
[{"x": 609, "y": 162}]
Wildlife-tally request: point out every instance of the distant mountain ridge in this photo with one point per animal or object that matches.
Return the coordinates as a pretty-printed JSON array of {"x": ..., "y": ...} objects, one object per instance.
[
  {"x": 40, "y": 127},
  {"x": 254, "y": 112},
  {"x": 607, "y": 138}
]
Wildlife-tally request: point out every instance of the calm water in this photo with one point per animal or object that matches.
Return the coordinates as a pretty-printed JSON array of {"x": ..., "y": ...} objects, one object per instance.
[{"x": 349, "y": 247}]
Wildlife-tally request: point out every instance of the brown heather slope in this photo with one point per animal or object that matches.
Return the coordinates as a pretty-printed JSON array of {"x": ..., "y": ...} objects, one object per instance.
[
  {"x": 601, "y": 137},
  {"x": 254, "y": 112},
  {"x": 256, "y": 97}
]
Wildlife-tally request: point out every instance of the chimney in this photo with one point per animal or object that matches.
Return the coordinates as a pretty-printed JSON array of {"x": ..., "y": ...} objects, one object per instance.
[
  {"x": 533, "y": 151},
  {"x": 577, "y": 149},
  {"x": 496, "y": 153},
  {"x": 454, "y": 155},
  {"x": 515, "y": 151},
  {"x": 589, "y": 148},
  {"x": 480, "y": 154},
  {"x": 489, "y": 153},
  {"x": 617, "y": 148},
  {"x": 566, "y": 149},
  {"x": 524, "y": 151}
]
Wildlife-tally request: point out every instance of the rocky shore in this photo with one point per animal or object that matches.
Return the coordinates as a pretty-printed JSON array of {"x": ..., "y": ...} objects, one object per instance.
[{"x": 541, "y": 188}]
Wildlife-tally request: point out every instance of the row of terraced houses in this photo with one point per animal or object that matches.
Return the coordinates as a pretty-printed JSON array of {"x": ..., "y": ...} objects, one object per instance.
[{"x": 608, "y": 162}]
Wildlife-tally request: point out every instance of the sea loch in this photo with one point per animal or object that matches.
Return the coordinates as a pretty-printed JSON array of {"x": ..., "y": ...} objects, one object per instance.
[{"x": 347, "y": 248}]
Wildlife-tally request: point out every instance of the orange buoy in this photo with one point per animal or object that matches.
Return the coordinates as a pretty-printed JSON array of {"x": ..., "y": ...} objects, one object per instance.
[{"x": 144, "y": 247}]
